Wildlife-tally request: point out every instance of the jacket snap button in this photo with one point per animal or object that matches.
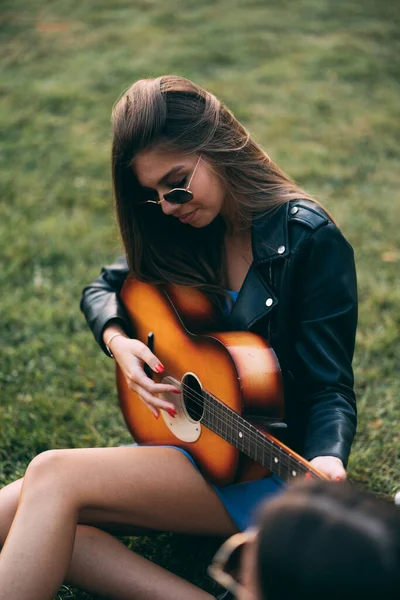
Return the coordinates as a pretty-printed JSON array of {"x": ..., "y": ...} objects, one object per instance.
[
  {"x": 281, "y": 249},
  {"x": 294, "y": 210},
  {"x": 269, "y": 302}
]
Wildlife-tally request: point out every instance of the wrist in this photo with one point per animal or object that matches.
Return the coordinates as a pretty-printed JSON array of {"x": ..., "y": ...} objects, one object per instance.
[{"x": 109, "y": 335}]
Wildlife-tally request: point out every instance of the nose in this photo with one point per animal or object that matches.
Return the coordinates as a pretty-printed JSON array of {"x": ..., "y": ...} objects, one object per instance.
[{"x": 168, "y": 208}]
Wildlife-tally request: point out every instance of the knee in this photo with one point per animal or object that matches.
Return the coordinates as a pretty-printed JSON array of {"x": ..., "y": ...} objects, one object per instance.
[
  {"x": 47, "y": 473},
  {"x": 46, "y": 464}
]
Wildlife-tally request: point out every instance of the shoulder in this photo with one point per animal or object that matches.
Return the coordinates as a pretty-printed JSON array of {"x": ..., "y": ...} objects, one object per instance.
[
  {"x": 293, "y": 228},
  {"x": 308, "y": 213},
  {"x": 310, "y": 227}
]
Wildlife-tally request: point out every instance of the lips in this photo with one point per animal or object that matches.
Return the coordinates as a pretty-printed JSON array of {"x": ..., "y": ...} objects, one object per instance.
[
  {"x": 188, "y": 217},
  {"x": 187, "y": 214}
]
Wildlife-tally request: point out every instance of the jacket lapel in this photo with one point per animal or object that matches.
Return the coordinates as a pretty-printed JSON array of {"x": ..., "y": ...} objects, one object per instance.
[
  {"x": 254, "y": 301},
  {"x": 256, "y": 298}
]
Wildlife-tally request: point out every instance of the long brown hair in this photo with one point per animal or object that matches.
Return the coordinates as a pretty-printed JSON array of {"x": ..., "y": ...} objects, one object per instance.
[{"x": 177, "y": 113}]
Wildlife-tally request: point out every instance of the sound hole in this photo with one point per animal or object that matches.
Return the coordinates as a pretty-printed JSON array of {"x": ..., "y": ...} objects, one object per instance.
[{"x": 193, "y": 397}]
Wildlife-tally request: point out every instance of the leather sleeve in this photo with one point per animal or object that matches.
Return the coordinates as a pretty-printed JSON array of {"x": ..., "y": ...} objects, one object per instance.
[
  {"x": 100, "y": 300},
  {"x": 326, "y": 320}
]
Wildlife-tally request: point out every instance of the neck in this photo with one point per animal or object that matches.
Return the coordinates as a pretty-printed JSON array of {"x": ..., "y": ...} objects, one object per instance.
[
  {"x": 236, "y": 227},
  {"x": 239, "y": 238}
]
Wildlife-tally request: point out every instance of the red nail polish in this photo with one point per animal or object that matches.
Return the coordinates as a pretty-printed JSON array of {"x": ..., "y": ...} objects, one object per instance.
[
  {"x": 156, "y": 416},
  {"x": 176, "y": 391},
  {"x": 308, "y": 476},
  {"x": 159, "y": 368},
  {"x": 172, "y": 412},
  {"x": 338, "y": 479}
]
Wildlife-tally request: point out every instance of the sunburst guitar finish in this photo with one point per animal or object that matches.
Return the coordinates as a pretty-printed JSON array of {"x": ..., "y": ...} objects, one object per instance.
[{"x": 222, "y": 376}]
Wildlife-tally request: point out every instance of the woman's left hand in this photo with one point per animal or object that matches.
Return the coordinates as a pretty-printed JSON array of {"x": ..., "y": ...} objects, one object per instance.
[{"x": 330, "y": 466}]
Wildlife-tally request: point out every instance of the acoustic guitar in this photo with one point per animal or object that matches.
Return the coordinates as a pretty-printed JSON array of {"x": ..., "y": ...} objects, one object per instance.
[{"x": 230, "y": 382}]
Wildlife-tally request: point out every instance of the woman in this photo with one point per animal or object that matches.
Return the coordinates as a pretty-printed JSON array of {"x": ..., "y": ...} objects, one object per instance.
[
  {"x": 317, "y": 540},
  {"x": 199, "y": 203}
]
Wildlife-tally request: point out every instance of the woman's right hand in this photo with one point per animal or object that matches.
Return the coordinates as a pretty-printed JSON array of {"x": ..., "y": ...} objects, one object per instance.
[{"x": 131, "y": 356}]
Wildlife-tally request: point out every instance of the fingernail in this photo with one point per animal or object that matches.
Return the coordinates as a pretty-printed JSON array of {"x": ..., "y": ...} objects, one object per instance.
[
  {"x": 176, "y": 391},
  {"x": 172, "y": 412},
  {"x": 308, "y": 476},
  {"x": 159, "y": 368},
  {"x": 156, "y": 416},
  {"x": 338, "y": 478}
]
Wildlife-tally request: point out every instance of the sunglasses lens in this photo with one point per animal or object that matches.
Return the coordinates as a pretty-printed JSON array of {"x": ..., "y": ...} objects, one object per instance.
[{"x": 178, "y": 196}]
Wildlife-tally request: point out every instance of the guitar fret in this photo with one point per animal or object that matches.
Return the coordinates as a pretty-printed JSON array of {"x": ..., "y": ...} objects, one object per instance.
[
  {"x": 277, "y": 460},
  {"x": 220, "y": 423},
  {"x": 282, "y": 470},
  {"x": 233, "y": 428}
]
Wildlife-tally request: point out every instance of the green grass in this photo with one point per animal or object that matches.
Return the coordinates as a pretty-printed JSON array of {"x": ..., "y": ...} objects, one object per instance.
[{"x": 315, "y": 81}]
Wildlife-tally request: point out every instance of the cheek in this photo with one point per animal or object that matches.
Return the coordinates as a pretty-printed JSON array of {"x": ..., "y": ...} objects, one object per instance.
[
  {"x": 215, "y": 196},
  {"x": 219, "y": 195},
  {"x": 210, "y": 189}
]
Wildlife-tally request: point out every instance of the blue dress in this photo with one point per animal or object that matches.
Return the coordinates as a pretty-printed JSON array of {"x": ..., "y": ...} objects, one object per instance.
[{"x": 241, "y": 500}]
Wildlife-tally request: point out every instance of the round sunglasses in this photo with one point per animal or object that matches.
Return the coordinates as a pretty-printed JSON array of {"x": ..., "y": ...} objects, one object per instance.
[
  {"x": 177, "y": 195},
  {"x": 225, "y": 565}
]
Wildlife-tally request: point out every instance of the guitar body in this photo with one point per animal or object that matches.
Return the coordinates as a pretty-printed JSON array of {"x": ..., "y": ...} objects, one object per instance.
[{"x": 238, "y": 369}]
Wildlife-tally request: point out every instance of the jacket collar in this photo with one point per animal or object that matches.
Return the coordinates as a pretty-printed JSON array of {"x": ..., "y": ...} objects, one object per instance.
[
  {"x": 257, "y": 297},
  {"x": 274, "y": 228}
]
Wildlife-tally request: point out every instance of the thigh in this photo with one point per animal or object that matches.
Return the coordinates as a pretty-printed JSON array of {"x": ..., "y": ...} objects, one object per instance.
[
  {"x": 152, "y": 488},
  {"x": 9, "y": 498}
]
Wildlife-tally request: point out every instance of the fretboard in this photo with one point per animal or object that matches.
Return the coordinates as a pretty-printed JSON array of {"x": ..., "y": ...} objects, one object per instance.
[{"x": 233, "y": 428}]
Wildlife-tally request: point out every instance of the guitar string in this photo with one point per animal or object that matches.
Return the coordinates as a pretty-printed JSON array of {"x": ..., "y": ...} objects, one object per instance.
[
  {"x": 260, "y": 440},
  {"x": 259, "y": 437},
  {"x": 223, "y": 407}
]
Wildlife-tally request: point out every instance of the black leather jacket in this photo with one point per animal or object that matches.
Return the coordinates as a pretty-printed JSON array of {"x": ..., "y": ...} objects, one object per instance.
[{"x": 301, "y": 295}]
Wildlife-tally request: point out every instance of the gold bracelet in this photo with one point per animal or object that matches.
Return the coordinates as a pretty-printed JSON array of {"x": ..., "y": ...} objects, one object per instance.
[{"x": 107, "y": 344}]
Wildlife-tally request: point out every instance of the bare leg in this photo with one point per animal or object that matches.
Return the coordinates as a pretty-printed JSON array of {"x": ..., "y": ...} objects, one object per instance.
[
  {"x": 154, "y": 488},
  {"x": 103, "y": 565},
  {"x": 9, "y": 498}
]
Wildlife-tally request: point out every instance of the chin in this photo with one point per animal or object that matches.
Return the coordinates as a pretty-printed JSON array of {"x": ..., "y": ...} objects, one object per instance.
[
  {"x": 202, "y": 220},
  {"x": 198, "y": 225}
]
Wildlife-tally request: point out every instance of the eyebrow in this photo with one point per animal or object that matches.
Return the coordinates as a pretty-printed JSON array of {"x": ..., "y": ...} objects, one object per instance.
[
  {"x": 173, "y": 170},
  {"x": 164, "y": 177}
]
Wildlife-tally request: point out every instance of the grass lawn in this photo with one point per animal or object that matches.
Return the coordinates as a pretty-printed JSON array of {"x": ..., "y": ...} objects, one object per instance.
[{"x": 315, "y": 81}]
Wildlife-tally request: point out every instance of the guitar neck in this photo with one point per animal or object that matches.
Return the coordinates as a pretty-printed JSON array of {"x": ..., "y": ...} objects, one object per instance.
[{"x": 260, "y": 447}]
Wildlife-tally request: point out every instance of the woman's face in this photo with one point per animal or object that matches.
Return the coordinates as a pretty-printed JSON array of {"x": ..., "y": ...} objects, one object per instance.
[{"x": 159, "y": 171}]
